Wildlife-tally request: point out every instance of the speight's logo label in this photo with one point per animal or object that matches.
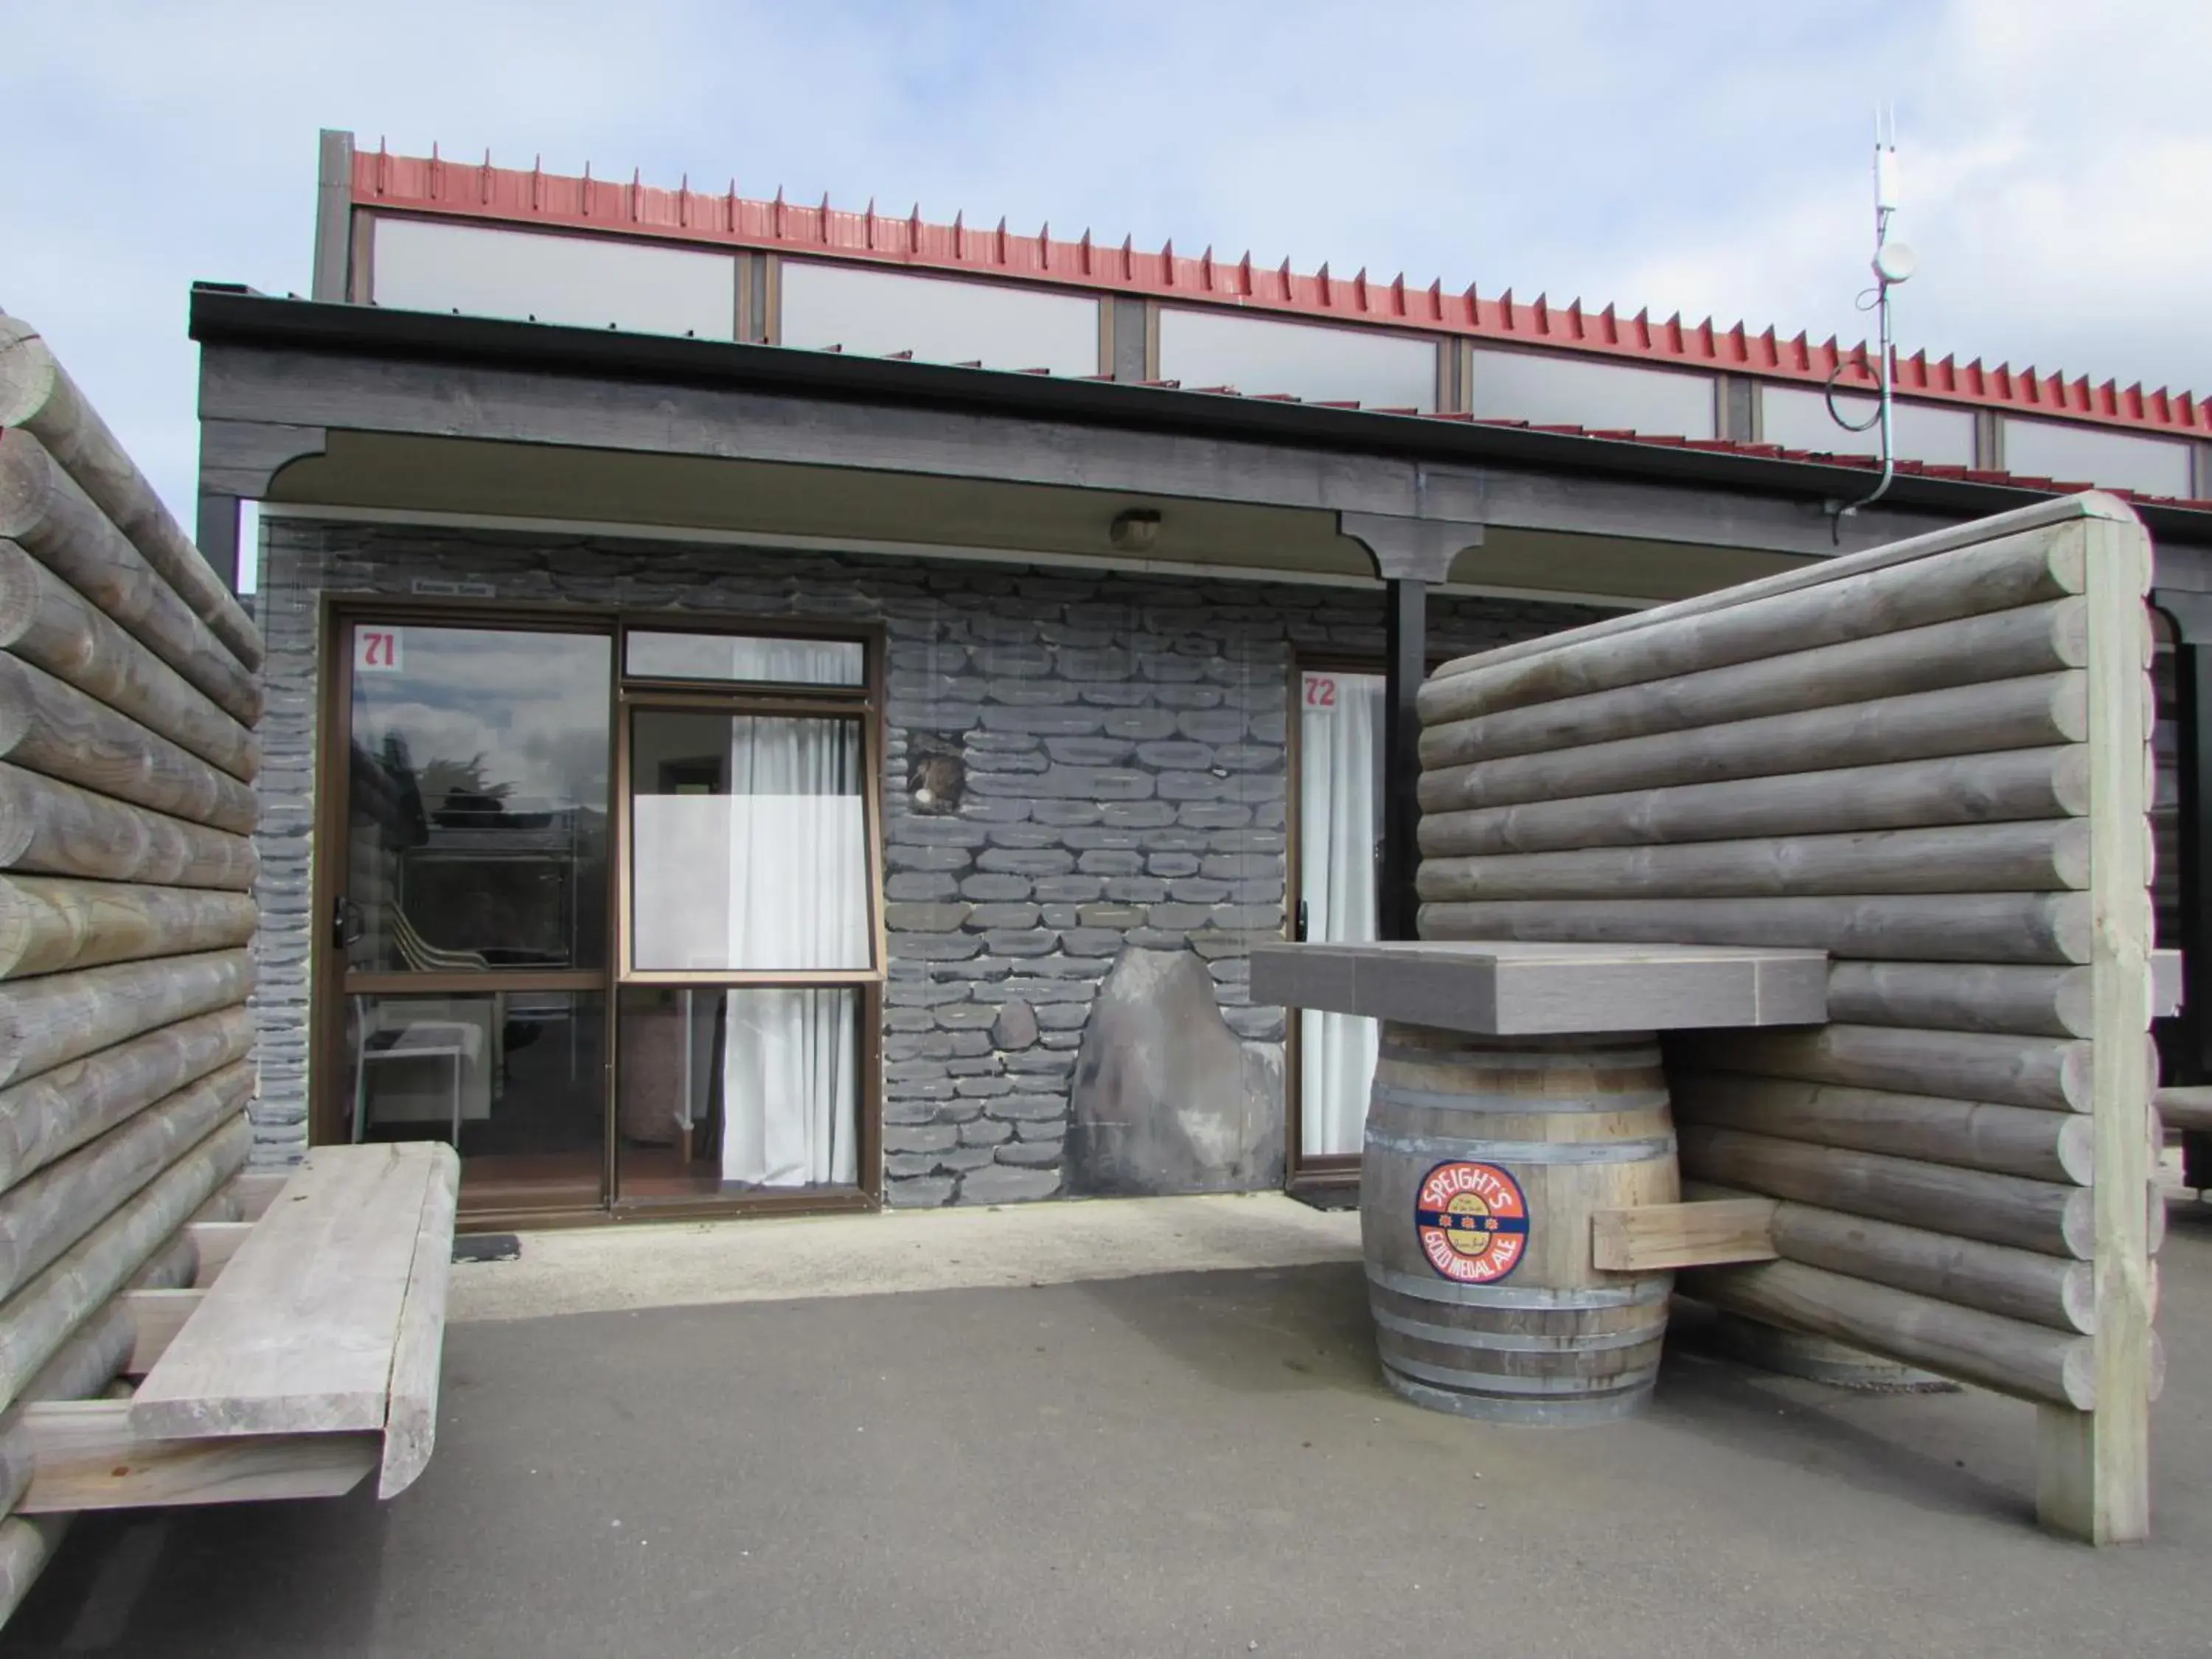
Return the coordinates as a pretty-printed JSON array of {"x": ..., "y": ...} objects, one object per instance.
[{"x": 1472, "y": 1222}]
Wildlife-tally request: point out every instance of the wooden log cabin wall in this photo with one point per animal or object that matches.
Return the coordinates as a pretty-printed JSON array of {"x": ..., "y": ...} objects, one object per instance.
[
  {"x": 1930, "y": 761},
  {"x": 129, "y": 695}
]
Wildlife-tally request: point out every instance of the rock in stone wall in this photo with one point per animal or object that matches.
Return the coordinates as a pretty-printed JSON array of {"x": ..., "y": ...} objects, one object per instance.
[
  {"x": 1114, "y": 750},
  {"x": 1166, "y": 1098}
]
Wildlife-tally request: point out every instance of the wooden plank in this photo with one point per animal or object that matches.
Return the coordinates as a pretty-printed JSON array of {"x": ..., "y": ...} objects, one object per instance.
[
  {"x": 45, "y": 621},
  {"x": 62, "y": 1016},
  {"x": 2035, "y": 712},
  {"x": 2003, "y": 645},
  {"x": 89, "y": 1457},
  {"x": 2008, "y": 785},
  {"x": 1885, "y": 588},
  {"x": 218, "y": 1242},
  {"x": 36, "y": 394},
  {"x": 2092, "y": 1479},
  {"x": 156, "y": 1316},
  {"x": 2022, "y": 927},
  {"x": 50, "y": 923},
  {"x": 410, "y": 1427},
  {"x": 299, "y": 1334},
  {"x": 1694, "y": 1235},
  {"x": 1509, "y": 989},
  {"x": 52, "y": 828},
  {"x": 2036, "y": 856}
]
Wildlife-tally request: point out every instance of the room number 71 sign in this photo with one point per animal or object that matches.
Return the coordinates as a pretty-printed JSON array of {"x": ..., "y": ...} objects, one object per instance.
[{"x": 377, "y": 651}]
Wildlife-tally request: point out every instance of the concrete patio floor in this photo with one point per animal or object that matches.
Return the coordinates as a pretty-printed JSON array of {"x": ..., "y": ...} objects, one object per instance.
[{"x": 1170, "y": 1463}]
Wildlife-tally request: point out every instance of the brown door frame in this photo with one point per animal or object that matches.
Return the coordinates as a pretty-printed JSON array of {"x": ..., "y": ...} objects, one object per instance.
[{"x": 330, "y": 986}]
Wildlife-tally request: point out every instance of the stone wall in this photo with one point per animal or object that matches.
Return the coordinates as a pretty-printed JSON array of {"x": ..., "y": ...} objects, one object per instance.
[{"x": 1080, "y": 766}]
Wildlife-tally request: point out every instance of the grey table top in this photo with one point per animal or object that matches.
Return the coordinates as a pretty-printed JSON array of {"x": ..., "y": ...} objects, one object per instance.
[{"x": 1512, "y": 988}]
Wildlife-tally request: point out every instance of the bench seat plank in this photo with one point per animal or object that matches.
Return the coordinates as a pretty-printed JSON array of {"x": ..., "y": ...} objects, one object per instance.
[
  {"x": 411, "y": 1426},
  {"x": 300, "y": 1332}
]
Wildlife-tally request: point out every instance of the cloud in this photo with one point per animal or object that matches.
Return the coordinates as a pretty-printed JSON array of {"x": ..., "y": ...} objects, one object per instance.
[{"x": 2057, "y": 157}]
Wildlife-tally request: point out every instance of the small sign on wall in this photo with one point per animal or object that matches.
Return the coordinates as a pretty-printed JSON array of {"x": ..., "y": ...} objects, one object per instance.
[
  {"x": 379, "y": 651},
  {"x": 1321, "y": 691}
]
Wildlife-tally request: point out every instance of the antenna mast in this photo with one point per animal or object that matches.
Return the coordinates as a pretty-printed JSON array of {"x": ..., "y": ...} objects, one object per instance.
[{"x": 1893, "y": 262}]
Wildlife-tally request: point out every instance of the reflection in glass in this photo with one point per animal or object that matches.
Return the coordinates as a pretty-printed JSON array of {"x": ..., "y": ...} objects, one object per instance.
[
  {"x": 723, "y": 1090},
  {"x": 748, "y": 845},
  {"x": 512, "y": 1078},
  {"x": 654, "y": 655},
  {"x": 477, "y": 800}
]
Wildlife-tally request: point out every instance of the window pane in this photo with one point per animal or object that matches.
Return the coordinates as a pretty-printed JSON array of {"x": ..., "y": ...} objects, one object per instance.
[
  {"x": 748, "y": 844},
  {"x": 477, "y": 800},
  {"x": 743, "y": 657},
  {"x": 725, "y": 1091},
  {"x": 512, "y": 1078}
]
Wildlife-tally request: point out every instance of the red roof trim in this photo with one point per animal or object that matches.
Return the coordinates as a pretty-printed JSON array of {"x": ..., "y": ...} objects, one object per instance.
[{"x": 512, "y": 196}]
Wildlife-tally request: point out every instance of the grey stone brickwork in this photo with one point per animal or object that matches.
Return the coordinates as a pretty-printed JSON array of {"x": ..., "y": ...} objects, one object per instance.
[{"x": 1077, "y": 762}]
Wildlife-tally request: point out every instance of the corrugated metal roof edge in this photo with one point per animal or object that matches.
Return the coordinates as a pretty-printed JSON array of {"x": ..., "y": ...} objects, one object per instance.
[
  {"x": 432, "y": 185},
  {"x": 229, "y": 313}
]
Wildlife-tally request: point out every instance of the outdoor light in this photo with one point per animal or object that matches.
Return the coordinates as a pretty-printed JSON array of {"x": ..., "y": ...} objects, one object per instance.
[{"x": 1134, "y": 530}]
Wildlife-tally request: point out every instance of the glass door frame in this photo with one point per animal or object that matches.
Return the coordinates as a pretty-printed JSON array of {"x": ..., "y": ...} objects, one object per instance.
[
  {"x": 330, "y": 983},
  {"x": 1323, "y": 1171},
  {"x": 864, "y": 705}
]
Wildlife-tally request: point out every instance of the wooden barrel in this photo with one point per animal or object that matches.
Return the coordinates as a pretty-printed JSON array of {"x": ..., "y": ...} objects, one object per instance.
[{"x": 1485, "y": 1158}]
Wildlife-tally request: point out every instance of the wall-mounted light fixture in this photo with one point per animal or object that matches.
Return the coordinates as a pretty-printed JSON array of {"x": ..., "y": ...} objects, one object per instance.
[{"x": 1134, "y": 530}]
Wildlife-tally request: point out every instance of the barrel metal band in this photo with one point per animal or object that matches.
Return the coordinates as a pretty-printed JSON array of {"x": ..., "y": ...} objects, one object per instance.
[
  {"x": 1642, "y": 1100},
  {"x": 1459, "y": 1336},
  {"x": 1652, "y": 1288},
  {"x": 1501, "y": 1382},
  {"x": 1527, "y": 1151}
]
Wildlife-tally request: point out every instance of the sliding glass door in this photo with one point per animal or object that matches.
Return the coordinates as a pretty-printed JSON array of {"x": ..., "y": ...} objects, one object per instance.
[
  {"x": 1339, "y": 832},
  {"x": 469, "y": 925}
]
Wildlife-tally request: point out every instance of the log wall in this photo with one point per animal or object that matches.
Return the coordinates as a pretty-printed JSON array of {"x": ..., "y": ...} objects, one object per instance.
[
  {"x": 128, "y": 692},
  {"x": 1932, "y": 761}
]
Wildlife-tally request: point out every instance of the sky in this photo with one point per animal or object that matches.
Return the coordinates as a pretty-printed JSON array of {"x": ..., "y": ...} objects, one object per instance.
[{"x": 1704, "y": 157}]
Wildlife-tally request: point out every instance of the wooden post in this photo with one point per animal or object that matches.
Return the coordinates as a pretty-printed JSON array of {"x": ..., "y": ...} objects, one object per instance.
[
  {"x": 1397, "y": 909},
  {"x": 2092, "y": 1469}
]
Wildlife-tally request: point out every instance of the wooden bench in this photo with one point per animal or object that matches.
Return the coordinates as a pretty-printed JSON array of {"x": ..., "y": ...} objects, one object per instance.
[{"x": 305, "y": 1356}]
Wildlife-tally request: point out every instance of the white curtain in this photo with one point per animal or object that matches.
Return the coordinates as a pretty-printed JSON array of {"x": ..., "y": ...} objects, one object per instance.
[
  {"x": 1340, "y": 824},
  {"x": 743, "y": 657},
  {"x": 771, "y": 876}
]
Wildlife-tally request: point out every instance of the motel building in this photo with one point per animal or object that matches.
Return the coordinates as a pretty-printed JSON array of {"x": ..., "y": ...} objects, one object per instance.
[{"x": 775, "y": 707}]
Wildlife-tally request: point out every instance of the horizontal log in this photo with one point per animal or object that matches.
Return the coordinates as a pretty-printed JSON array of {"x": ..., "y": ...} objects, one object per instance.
[
  {"x": 43, "y": 511},
  {"x": 47, "y": 1213},
  {"x": 2030, "y": 569},
  {"x": 1982, "y": 927},
  {"x": 1995, "y": 1278},
  {"x": 44, "y": 1117},
  {"x": 49, "y": 923},
  {"x": 2186, "y": 1109},
  {"x": 38, "y": 396},
  {"x": 40, "y": 1318},
  {"x": 1968, "y": 1135},
  {"x": 2035, "y": 712},
  {"x": 2037, "y": 639},
  {"x": 50, "y": 727},
  {"x": 171, "y": 1267},
  {"x": 2029, "y": 1362},
  {"x": 1955, "y": 996},
  {"x": 27, "y": 1542},
  {"x": 1956, "y": 789},
  {"x": 2029, "y": 1215},
  {"x": 255, "y": 1191},
  {"x": 46, "y": 622},
  {"x": 2045, "y": 1073},
  {"x": 62, "y": 1016},
  {"x": 2038, "y": 856},
  {"x": 57, "y": 829}
]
